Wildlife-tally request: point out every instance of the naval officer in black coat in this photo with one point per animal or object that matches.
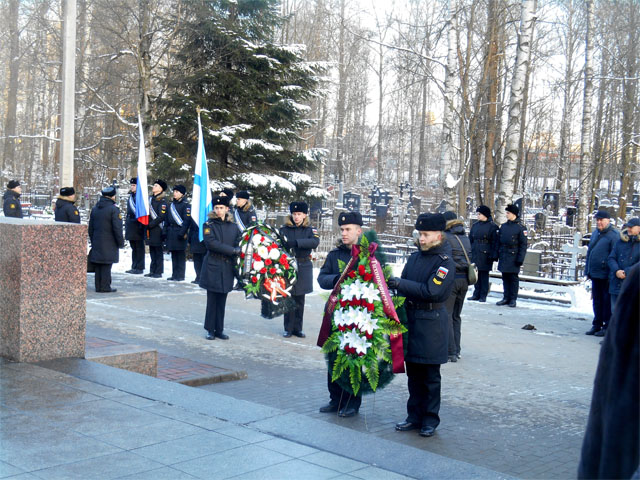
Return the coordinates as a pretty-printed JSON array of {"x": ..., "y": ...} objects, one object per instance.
[
  {"x": 155, "y": 229},
  {"x": 512, "y": 248},
  {"x": 484, "y": 250},
  {"x": 427, "y": 281},
  {"x": 300, "y": 238},
  {"x": 176, "y": 228},
  {"x": 134, "y": 231},
  {"x": 66, "y": 210}
]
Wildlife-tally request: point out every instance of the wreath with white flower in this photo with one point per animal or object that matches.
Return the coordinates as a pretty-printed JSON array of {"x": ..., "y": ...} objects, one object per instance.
[
  {"x": 358, "y": 350},
  {"x": 268, "y": 271}
]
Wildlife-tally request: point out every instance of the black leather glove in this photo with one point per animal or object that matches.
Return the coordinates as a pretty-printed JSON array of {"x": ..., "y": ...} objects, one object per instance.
[
  {"x": 518, "y": 264},
  {"x": 237, "y": 251},
  {"x": 393, "y": 282}
]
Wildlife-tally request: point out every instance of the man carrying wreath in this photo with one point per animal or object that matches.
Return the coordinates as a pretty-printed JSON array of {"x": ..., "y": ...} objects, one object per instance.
[
  {"x": 300, "y": 238},
  {"x": 350, "y": 223},
  {"x": 426, "y": 282}
]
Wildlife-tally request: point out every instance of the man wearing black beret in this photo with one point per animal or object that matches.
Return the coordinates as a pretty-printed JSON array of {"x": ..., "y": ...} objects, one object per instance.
[
  {"x": 11, "y": 200},
  {"x": 134, "y": 231},
  {"x": 176, "y": 226},
  {"x": 350, "y": 223},
  {"x": 512, "y": 248},
  {"x": 65, "y": 209},
  {"x": 155, "y": 230},
  {"x": 105, "y": 233},
  {"x": 299, "y": 238},
  {"x": 427, "y": 281}
]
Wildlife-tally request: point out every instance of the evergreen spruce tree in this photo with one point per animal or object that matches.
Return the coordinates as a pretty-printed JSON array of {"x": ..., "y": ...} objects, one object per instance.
[{"x": 249, "y": 88}]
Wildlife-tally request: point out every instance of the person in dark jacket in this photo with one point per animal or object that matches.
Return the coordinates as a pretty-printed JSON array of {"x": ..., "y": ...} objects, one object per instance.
[
  {"x": 458, "y": 240},
  {"x": 244, "y": 214},
  {"x": 105, "y": 233},
  {"x": 65, "y": 210},
  {"x": 197, "y": 249},
  {"x": 427, "y": 282},
  {"x": 512, "y": 248},
  {"x": 624, "y": 255},
  {"x": 300, "y": 238},
  {"x": 611, "y": 445},
  {"x": 11, "y": 200},
  {"x": 222, "y": 239},
  {"x": 155, "y": 230},
  {"x": 134, "y": 231},
  {"x": 596, "y": 269},
  {"x": 176, "y": 226},
  {"x": 350, "y": 223},
  {"x": 484, "y": 250}
]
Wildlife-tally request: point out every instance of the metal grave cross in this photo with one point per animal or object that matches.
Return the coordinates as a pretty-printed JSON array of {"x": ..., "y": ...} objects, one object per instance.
[{"x": 575, "y": 250}]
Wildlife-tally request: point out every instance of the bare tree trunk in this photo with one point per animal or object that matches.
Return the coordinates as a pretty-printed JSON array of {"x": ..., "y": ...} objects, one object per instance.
[
  {"x": 380, "y": 163},
  {"x": 586, "y": 162},
  {"x": 522, "y": 152},
  {"x": 342, "y": 94},
  {"x": 506, "y": 187},
  {"x": 8, "y": 157},
  {"x": 446, "y": 153},
  {"x": 422, "y": 155}
]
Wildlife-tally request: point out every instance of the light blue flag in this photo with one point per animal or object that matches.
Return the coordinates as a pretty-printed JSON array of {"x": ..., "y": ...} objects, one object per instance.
[{"x": 201, "y": 203}]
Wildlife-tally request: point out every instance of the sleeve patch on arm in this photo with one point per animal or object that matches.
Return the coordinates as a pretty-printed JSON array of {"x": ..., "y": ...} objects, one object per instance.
[{"x": 442, "y": 273}]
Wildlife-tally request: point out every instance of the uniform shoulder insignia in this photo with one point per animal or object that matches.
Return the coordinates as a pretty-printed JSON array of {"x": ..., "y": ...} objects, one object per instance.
[
  {"x": 444, "y": 256},
  {"x": 207, "y": 231},
  {"x": 314, "y": 230},
  {"x": 188, "y": 211},
  {"x": 76, "y": 212},
  {"x": 12, "y": 206},
  {"x": 119, "y": 215},
  {"x": 164, "y": 207},
  {"x": 253, "y": 218},
  {"x": 436, "y": 281}
]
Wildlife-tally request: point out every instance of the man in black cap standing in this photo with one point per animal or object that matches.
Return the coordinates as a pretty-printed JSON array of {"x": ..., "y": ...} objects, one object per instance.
[
  {"x": 11, "y": 204},
  {"x": 155, "y": 237},
  {"x": 512, "y": 248},
  {"x": 596, "y": 268},
  {"x": 134, "y": 231},
  {"x": 427, "y": 281},
  {"x": 484, "y": 250},
  {"x": 300, "y": 238},
  {"x": 244, "y": 214},
  {"x": 350, "y": 223},
  {"x": 65, "y": 210},
  {"x": 222, "y": 239},
  {"x": 105, "y": 233},
  {"x": 176, "y": 227}
]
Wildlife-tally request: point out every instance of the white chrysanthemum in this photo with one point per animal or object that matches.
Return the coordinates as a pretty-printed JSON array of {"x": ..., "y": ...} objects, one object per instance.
[
  {"x": 258, "y": 265},
  {"x": 263, "y": 251},
  {"x": 274, "y": 254},
  {"x": 256, "y": 239}
]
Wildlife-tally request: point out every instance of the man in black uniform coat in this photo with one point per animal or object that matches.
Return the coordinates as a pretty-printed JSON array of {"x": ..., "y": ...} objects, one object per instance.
[
  {"x": 105, "y": 233},
  {"x": 222, "y": 239},
  {"x": 426, "y": 282},
  {"x": 66, "y": 211},
  {"x": 484, "y": 250},
  {"x": 512, "y": 241},
  {"x": 299, "y": 238},
  {"x": 350, "y": 223},
  {"x": 176, "y": 226},
  {"x": 611, "y": 445},
  {"x": 197, "y": 249},
  {"x": 11, "y": 200},
  {"x": 134, "y": 231},
  {"x": 458, "y": 240},
  {"x": 244, "y": 214},
  {"x": 155, "y": 231}
]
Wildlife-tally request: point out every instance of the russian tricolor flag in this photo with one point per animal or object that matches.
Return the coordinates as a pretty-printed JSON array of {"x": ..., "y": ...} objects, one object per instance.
[{"x": 142, "y": 197}]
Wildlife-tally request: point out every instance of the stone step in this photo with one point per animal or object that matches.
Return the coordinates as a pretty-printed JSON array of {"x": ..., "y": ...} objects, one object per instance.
[{"x": 134, "y": 358}]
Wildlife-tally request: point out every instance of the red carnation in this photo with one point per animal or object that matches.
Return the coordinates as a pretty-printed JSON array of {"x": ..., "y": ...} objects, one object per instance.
[
  {"x": 246, "y": 238},
  {"x": 361, "y": 354},
  {"x": 257, "y": 257},
  {"x": 272, "y": 270},
  {"x": 367, "y": 277},
  {"x": 361, "y": 270},
  {"x": 263, "y": 270},
  {"x": 254, "y": 279},
  {"x": 342, "y": 328},
  {"x": 368, "y": 335},
  {"x": 242, "y": 255},
  {"x": 261, "y": 239},
  {"x": 285, "y": 266},
  {"x": 371, "y": 307},
  {"x": 352, "y": 274},
  {"x": 343, "y": 303},
  {"x": 268, "y": 261},
  {"x": 355, "y": 302},
  {"x": 255, "y": 231},
  {"x": 283, "y": 258}
]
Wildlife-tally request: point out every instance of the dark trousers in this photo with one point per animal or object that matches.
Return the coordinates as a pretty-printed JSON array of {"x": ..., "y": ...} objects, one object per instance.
[
  {"x": 614, "y": 299},
  {"x": 197, "y": 264},
  {"x": 137, "y": 254},
  {"x": 157, "y": 260},
  {"x": 601, "y": 302},
  {"x": 481, "y": 289},
  {"x": 214, "y": 317},
  {"x": 103, "y": 277},
  {"x": 293, "y": 318},
  {"x": 423, "y": 405},
  {"x": 511, "y": 285},
  {"x": 454, "y": 308},
  {"x": 341, "y": 398},
  {"x": 179, "y": 264}
]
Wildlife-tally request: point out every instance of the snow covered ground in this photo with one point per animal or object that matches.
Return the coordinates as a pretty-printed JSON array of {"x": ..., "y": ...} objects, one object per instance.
[{"x": 581, "y": 307}]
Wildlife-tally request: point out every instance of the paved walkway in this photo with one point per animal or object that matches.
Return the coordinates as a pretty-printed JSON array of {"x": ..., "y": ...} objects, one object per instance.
[{"x": 72, "y": 418}]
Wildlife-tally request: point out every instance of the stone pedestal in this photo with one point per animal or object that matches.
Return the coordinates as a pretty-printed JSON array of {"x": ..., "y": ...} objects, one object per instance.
[{"x": 43, "y": 289}]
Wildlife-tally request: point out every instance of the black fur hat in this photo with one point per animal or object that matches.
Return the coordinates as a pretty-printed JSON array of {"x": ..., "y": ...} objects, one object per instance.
[
  {"x": 243, "y": 194},
  {"x": 13, "y": 184},
  {"x": 431, "y": 222},
  {"x": 484, "y": 210},
  {"x": 513, "y": 209},
  {"x": 109, "y": 191},
  {"x": 133, "y": 181},
  {"x": 299, "y": 207},
  {"x": 228, "y": 192},
  {"x": 221, "y": 200},
  {"x": 347, "y": 218},
  {"x": 162, "y": 184},
  {"x": 67, "y": 191},
  {"x": 180, "y": 188}
]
